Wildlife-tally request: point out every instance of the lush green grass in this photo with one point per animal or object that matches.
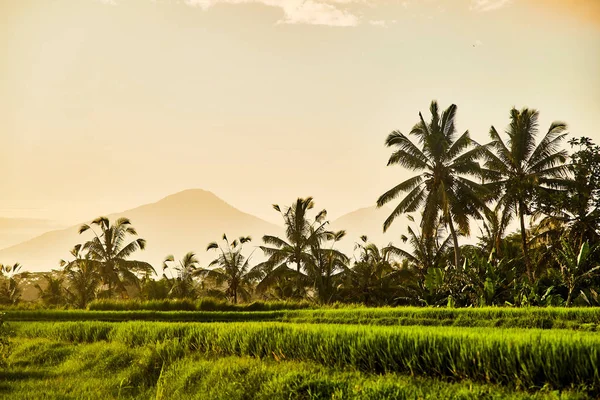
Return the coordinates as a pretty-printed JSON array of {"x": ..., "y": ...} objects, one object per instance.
[
  {"x": 42, "y": 368},
  {"x": 526, "y": 358},
  {"x": 347, "y": 353},
  {"x": 202, "y": 304},
  {"x": 544, "y": 318}
]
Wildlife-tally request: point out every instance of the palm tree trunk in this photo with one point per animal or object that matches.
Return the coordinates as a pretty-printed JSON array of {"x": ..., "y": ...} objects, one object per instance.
[
  {"x": 298, "y": 277},
  {"x": 455, "y": 240},
  {"x": 524, "y": 241}
]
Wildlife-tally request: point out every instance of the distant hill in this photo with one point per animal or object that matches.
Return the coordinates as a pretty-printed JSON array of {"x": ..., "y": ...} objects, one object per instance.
[
  {"x": 18, "y": 230},
  {"x": 186, "y": 221}
]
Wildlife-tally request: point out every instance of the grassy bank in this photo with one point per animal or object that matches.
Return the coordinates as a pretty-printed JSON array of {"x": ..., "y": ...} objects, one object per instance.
[
  {"x": 43, "y": 368},
  {"x": 541, "y": 318},
  {"x": 526, "y": 358}
]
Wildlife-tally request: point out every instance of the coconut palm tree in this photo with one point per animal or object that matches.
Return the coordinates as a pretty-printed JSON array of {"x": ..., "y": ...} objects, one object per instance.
[
  {"x": 233, "y": 269},
  {"x": 183, "y": 283},
  {"x": 301, "y": 233},
  {"x": 445, "y": 164},
  {"x": 518, "y": 170},
  {"x": 109, "y": 251}
]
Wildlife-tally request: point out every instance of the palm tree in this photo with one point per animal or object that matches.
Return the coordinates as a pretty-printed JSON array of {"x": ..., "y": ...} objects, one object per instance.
[
  {"x": 444, "y": 163},
  {"x": 495, "y": 224},
  {"x": 301, "y": 233},
  {"x": 519, "y": 170},
  {"x": 427, "y": 252},
  {"x": 233, "y": 268},
  {"x": 183, "y": 284},
  {"x": 375, "y": 278},
  {"x": 83, "y": 278},
  {"x": 53, "y": 294},
  {"x": 324, "y": 267},
  {"x": 109, "y": 251},
  {"x": 577, "y": 209}
]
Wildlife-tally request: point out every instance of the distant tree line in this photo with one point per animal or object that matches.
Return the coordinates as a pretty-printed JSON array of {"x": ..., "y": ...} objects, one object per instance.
[{"x": 516, "y": 177}]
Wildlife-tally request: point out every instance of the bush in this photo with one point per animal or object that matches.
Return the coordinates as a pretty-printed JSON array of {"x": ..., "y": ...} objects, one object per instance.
[{"x": 5, "y": 346}]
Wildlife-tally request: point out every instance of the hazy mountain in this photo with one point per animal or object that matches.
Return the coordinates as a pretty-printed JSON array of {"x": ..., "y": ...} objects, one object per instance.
[
  {"x": 186, "y": 221},
  {"x": 18, "y": 230}
]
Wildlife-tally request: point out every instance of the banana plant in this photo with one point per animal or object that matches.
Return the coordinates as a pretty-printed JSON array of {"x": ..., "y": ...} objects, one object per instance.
[{"x": 575, "y": 266}]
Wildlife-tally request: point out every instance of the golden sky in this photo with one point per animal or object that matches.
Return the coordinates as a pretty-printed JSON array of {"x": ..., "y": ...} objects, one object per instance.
[{"x": 107, "y": 105}]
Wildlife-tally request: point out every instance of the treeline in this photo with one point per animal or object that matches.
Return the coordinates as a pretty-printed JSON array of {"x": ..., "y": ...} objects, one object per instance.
[{"x": 553, "y": 195}]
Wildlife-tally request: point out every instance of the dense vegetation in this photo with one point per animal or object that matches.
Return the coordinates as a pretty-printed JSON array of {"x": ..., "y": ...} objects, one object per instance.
[{"x": 458, "y": 182}]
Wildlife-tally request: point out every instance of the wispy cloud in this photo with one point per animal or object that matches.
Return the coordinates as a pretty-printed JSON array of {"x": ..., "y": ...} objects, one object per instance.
[
  {"x": 378, "y": 22},
  {"x": 311, "y": 12},
  {"x": 488, "y": 5}
]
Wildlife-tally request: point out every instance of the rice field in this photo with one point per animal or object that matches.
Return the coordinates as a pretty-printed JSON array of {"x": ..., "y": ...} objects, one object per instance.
[{"x": 349, "y": 353}]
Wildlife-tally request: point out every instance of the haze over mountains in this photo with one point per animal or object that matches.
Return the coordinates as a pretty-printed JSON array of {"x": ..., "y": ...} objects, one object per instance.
[
  {"x": 16, "y": 230},
  {"x": 188, "y": 221}
]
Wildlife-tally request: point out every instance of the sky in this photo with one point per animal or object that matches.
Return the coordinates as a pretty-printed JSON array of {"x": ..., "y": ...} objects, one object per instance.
[{"x": 107, "y": 105}]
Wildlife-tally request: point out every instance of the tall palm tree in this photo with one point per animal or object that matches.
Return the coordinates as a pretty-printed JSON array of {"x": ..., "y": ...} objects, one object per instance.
[
  {"x": 445, "y": 163},
  {"x": 109, "y": 251},
  {"x": 518, "y": 169},
  {"x": 301, "y": 233},
  {"x": 183, "y": 283},
  {"x": 233, "y": 269}
]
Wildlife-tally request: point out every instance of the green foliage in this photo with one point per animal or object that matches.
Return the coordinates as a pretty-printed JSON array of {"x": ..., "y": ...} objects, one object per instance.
[
  {"x": 5, "y": 346},
  {"x": 575, "y": 267}
]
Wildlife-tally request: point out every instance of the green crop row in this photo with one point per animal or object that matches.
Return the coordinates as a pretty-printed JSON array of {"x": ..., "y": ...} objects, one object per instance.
[
  {"x": 525, "y": 358},
  {"x": 42, "y": 369},
  {"x": 202, "y": 304},
  {"x": 543, "y": 318}
]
